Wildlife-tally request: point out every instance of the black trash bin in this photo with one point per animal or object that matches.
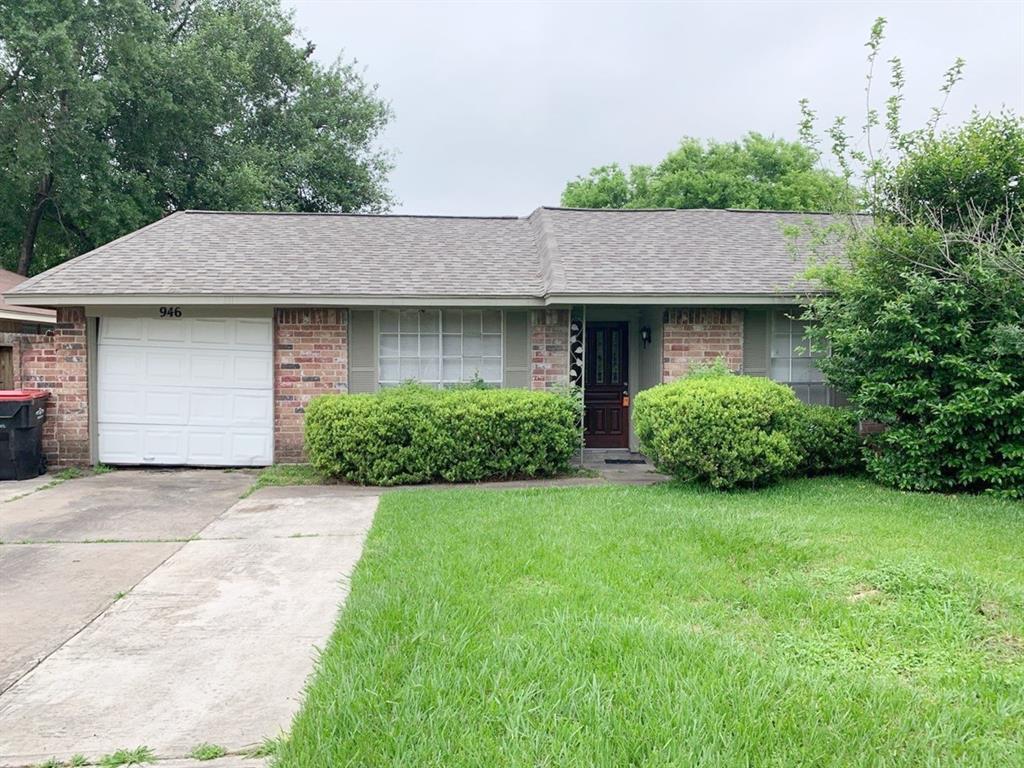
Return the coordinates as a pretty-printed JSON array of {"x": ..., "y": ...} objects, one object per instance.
[{"x": 22, "y": 413}]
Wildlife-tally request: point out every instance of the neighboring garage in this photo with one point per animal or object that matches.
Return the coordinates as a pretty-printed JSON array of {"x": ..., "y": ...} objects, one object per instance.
[{"x": 175, "y": 391}]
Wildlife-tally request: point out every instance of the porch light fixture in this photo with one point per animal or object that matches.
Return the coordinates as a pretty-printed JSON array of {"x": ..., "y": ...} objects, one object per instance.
[{"x": 645, "y": 335}]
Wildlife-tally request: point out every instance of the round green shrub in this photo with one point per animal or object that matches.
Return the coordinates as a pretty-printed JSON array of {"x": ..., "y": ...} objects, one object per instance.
[
  {"x": 828, "y": 440},
  {"x": 726, "y": 431},
  {"x": 414, "y": 434}
]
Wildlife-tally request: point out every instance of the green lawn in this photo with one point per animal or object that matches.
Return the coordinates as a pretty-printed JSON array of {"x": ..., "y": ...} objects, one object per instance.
[{"x": 824, "y": 622}]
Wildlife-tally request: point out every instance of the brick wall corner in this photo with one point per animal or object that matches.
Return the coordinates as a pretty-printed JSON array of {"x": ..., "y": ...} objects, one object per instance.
[
  {"x": 549, "y": 349},
  {"x": 310, "y": 359},
  {"x": 58, "y": 361}
]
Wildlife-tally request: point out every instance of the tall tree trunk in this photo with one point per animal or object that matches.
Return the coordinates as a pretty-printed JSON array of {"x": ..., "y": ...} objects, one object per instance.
[{"x": 35, "y": 215}]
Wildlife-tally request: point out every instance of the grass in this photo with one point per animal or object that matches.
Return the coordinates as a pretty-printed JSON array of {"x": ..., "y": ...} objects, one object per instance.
[
  {"x": 269, "y": 747},
  {"x": 304, "y": 474},
  {"x": 57, "y": 480},
  {"x": 136, "y": 756},
  {"x": 69, "y": 473},
  {"x": 823, "y": 622},
  {"x": 207, "y": 751},
  {"x": 73, "y": 762},
  {"x": 286, "y": 474}
]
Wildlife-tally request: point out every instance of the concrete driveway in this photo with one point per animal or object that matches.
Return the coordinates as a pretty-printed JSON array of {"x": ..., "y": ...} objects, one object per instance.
[{"x": 156, "y": 608}]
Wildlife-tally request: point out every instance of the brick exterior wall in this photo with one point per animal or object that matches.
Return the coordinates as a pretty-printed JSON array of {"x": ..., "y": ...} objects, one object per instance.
[
  {"x": 13, "y": 335},
  {"x": 310, "y": 358},
  {"x": 549, "y": 348},
  {"x": 58, "y": 361},
  {"x": 694, "y": 335}
]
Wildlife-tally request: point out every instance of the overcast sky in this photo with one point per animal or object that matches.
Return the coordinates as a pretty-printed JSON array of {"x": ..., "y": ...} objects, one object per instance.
[{"x": 497, "y": 105}]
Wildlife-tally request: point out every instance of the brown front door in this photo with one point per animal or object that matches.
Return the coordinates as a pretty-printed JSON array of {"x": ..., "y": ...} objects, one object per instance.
[{"x": 606, "y": 385}]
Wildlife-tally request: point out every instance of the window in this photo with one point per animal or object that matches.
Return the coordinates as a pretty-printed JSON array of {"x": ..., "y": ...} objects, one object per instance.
[
  {"x": 440, "y": 347},
  {"x": 6, "y": 367},
  {"x": 793, "y": 361}
]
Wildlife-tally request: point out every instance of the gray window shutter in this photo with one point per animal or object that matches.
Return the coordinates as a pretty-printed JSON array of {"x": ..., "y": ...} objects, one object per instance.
[
  {"x": 756, "y": 345},
  {"x": 517, "y": 349},
  {"x": 362, "y": 351}
]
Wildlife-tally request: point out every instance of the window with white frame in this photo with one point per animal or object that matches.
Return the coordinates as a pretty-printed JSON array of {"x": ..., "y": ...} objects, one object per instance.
[
  {"x": 793, "y": 360},
  {"x": 440, "y": 347}
]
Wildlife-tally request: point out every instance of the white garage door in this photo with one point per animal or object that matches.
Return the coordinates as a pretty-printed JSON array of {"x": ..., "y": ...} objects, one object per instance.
[{"x": 185, "y": 391}]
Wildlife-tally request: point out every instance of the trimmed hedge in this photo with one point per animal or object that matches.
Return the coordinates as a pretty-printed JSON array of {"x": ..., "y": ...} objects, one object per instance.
[
  {"x": 827, "y": 438},
  {"x": 414, "y": 434},
  {"x": 730, "y": 431},
  {"x": 723, "y": 430}
]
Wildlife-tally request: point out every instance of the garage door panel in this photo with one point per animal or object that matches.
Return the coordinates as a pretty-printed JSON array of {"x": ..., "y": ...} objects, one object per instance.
[
  {"x": 241, "y": 447},
  {"x": 121, "y": 329},
  {"x": 207, "y": 446},
  {"x": 121, "y": 365},
  {"x": 125, "y": 405},
  {"x": 166, "y": 366},
  {"x": 121, "y": 404},
  {"x": 165, "y": 406},
  {"x": 252, "y": 370},
  {"x": 210, "y": 408},
  {"x": 167, "y": 330},
  {"x": 164, "y": 445},
  {"x": 209, "y": 370},
  {"x": 186, "y": 391},
  {"x": 197, "y": 446},
  {"x": 120, "y": 445},
  {"x": 250, "y": 448},
  {"x": 253, "y": 333},
  {"x": 251, "y": 409},
  {"x": 212, "y": 331}
]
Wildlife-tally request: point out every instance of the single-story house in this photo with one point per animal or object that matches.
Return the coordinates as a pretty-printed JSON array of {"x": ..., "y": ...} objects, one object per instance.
[
  {"x": 23, "y": 334},
  {"x": 199, "y": 339}
]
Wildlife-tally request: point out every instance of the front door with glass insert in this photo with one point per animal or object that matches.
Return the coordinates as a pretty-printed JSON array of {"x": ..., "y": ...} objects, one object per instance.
[{"x": 606, "y": 385}]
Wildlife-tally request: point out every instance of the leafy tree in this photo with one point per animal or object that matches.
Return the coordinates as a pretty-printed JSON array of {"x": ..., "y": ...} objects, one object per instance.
[
  {"x": 113, "y": 114},
  {"x": 925, "y": 321},
  {"x": 966, "y": 177},
  {"x": 758, "y": 172}
]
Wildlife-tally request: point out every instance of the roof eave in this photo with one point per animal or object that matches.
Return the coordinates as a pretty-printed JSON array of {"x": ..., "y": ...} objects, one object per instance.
[
  {"x": 27, "y": 317},
  {"x": 687, "y": 299},
  {"x": 405, "y": 300},
  {"x": 276, "y": 300}
]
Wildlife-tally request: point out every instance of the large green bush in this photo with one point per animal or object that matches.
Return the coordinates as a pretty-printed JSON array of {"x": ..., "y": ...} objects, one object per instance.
[
  {"x": 724, "y": 430},
  {"x": 413, "y": 434},
  {"x": 925, "y": 324},
  {"x": 828, "y": 440}
]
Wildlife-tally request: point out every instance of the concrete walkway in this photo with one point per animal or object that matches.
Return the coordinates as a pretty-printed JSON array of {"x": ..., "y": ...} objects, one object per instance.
[
  {"x": 216, "y": 634},
  {"x": 622, "y": 467}
]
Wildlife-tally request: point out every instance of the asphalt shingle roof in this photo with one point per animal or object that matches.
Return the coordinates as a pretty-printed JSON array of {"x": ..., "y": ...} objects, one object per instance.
[
  {"x": 7, "y": 281},
  {"x": 554, "y": 251},
  {"x": 675, "y": 251}
]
